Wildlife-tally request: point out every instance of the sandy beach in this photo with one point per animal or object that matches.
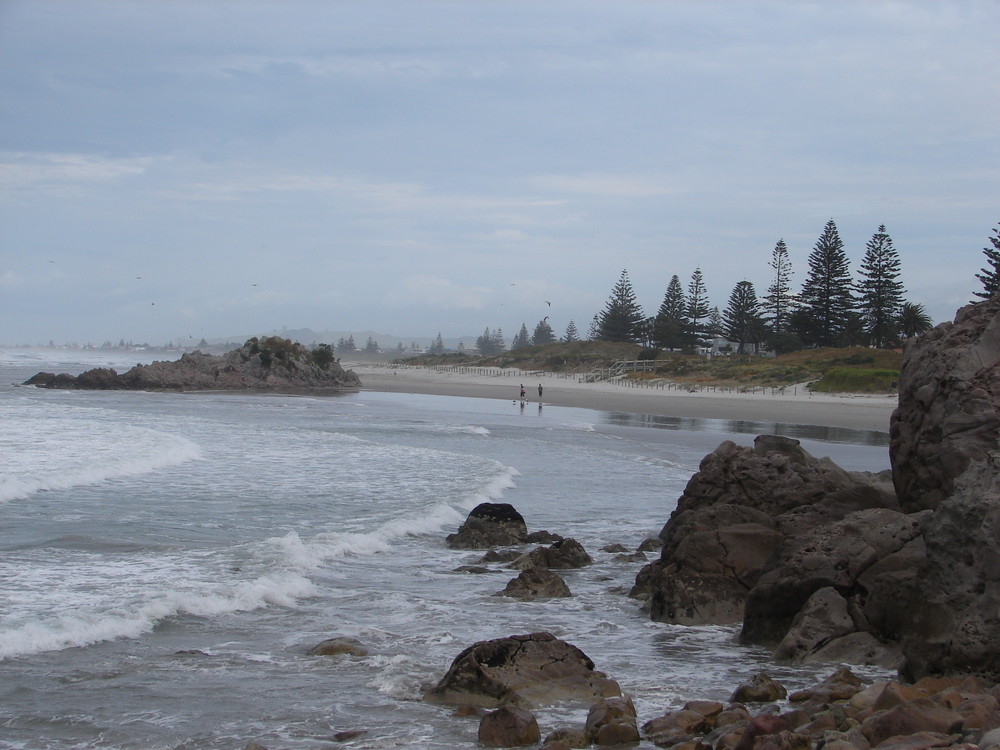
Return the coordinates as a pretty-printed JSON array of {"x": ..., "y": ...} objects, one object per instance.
[{"x": 794, "y": 406}]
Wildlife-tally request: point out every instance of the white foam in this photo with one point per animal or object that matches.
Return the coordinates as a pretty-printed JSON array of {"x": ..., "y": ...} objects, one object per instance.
[
  {"x": 310, "y": 554},
  {"x": 82, "y": 628},
  {"x": 55, "y": 447}
]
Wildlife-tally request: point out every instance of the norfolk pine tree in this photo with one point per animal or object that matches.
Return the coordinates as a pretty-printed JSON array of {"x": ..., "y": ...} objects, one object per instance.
[
  {"x": 741, "y": 319},
  {"x": 622, "y": 313},
  {"x": 543, "y": 334},
  {"x": 990, "y": 275},
  {"x": 521, "y": 340},
  {"x": 571, "y": 333},
  {"x": 880, "y": 294},
  {"x": 671, "y": 320},
  {"x": 826, "y": 299},
  {"x": 697, "y": 308},
  {"x": 779, "y": 301}
]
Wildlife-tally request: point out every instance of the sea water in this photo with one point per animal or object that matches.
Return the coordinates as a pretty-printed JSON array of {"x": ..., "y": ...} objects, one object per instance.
[{"x": 167, "y": 560}]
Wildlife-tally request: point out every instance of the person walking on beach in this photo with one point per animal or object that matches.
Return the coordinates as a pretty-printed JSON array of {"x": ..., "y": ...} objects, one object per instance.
[
  {"x": 539, "y": 390},
  {"x": 522, "y": 391}
]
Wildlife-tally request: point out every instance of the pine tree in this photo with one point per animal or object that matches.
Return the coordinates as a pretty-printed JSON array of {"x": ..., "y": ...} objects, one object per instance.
[
  {"x": 543, "y": 333},
  {"x": 571, "y": 333},
  {"x": 372, "y": 346},
  {"x": 437, "y": 346},
  {"x": 826, "y": 298},
  {"x": 779, "y": 301},
  {"x": 880, "y": 294},
  {"x": 671, "y": 319},
  {"x": 714, "y": 326},
  {"x": 521, "y": 340},
  {"x": 594, "y": 333},
  {"x": 990, "y": 275},
  {"x": 621, "y": 314},
  {"x": 697, "y": 309},
  {"x": 490, "y": 343},
  {"x": 742, "y": 322}
]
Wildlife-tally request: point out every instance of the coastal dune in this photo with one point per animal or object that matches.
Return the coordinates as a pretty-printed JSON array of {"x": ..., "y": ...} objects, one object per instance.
[{"x": 796, "y": 405}]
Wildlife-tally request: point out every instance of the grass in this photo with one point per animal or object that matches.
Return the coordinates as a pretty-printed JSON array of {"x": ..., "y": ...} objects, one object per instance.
[{"x": 855, "y": 369}]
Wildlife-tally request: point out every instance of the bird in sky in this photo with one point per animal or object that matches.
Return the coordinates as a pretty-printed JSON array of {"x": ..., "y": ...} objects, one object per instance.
[{"x": 548, "y": 303}]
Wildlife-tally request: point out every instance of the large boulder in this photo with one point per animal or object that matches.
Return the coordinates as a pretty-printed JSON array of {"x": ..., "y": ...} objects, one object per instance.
[
  {"x": 490, "y": 525},
  {"x": 945, "y": 451},
  {"x": 947, "y": 425},
  {"x": 526, "y": 670},
  {"x": 734, "y": 516},
  {"x": 834, "y": 555}
]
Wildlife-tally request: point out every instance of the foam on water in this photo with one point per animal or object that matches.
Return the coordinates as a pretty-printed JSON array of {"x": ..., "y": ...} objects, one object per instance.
[{"x": 56, "y": 447}]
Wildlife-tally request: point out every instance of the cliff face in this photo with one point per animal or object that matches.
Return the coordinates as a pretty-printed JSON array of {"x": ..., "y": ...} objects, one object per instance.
[{"x": 265, "y": 364}]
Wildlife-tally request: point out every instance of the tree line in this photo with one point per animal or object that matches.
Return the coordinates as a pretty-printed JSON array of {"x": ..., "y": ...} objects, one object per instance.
[{"x": 830, "y": 309}]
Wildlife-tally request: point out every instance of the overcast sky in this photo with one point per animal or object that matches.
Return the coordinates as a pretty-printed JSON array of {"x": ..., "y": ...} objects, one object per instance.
[{"x": 180, "y": 168}]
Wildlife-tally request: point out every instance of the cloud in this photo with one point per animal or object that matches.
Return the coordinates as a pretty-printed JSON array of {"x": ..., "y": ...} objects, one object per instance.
[
  {"x": 24, "y": 170},
  {"x": 607, "y": 185},
  {"x": 438, "y": 293}
]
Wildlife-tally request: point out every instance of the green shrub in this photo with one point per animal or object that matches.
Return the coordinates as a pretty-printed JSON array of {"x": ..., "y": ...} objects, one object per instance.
[{"x": 857, "y": 380}]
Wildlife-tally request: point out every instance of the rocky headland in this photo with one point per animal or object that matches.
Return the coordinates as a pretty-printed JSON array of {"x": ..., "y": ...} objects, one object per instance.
[{"x": 268, "y": 364}]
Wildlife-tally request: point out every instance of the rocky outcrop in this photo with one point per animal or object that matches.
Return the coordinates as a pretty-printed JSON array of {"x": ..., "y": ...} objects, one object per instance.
[
  {"x": 828, "y": 565},
  {"x": 945, "y": 454},
  {"x": 946, "y": 430},
  {"x": 525, "y": 670},
  {"x": 736, "y": 514},
  {"x": 490, "y": 525},
  {"x": 269, "y": 364}
]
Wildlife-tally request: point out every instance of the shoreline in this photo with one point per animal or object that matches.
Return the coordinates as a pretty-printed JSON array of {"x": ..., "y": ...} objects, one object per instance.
[{"x": 850, "y": 411}]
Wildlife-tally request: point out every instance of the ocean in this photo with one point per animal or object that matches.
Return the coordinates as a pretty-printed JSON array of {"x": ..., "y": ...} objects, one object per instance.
[{"x": 167, "y": 560}]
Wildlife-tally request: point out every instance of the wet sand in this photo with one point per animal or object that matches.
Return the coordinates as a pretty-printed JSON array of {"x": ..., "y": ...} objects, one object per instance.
[{"x": 795, "y": 406}]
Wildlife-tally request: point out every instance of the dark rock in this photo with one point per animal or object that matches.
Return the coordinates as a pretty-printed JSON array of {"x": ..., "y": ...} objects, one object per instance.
[
  {"x": 569, "y": 738},
  {"x": 566, "y": 554},
  {"x": 473, "y": 569},
  {"x": 948, "y": 420},
  {"x": 500, "y": 556},
  {"x": 760, "y": 688},
  {"x": 842, "y": 685},
  {"x": 760, "y": 726},
  {"x": 543, "y": 537},
  {"x": 527, "y": 670},
  {"x": 614, "y": 548},
  {"x": 338, "y": 646},
  {"x": 536, "y": 583},
  {"x": 945, "y": 450},
  {"x": 652, "y": 544},
  {"x": 490, "y": 525},
  {"x": 921, "y": 715},
  {"x": 734, "y": 516},
  {"x": 508, "y": 726},
  {"x": 832, "y": 555},
  {"x": 611, "y": 721}
]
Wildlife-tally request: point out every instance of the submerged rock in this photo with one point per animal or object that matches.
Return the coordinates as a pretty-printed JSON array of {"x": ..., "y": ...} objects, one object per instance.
[{"x": 536, "y": 583}]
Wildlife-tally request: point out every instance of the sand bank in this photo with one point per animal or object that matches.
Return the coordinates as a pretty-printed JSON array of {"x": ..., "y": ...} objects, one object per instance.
[{"x": 795, "y": 406}]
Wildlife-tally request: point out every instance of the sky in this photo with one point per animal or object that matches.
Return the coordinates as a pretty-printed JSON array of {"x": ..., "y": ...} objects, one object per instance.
[{"x": 175, "y": 169}]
